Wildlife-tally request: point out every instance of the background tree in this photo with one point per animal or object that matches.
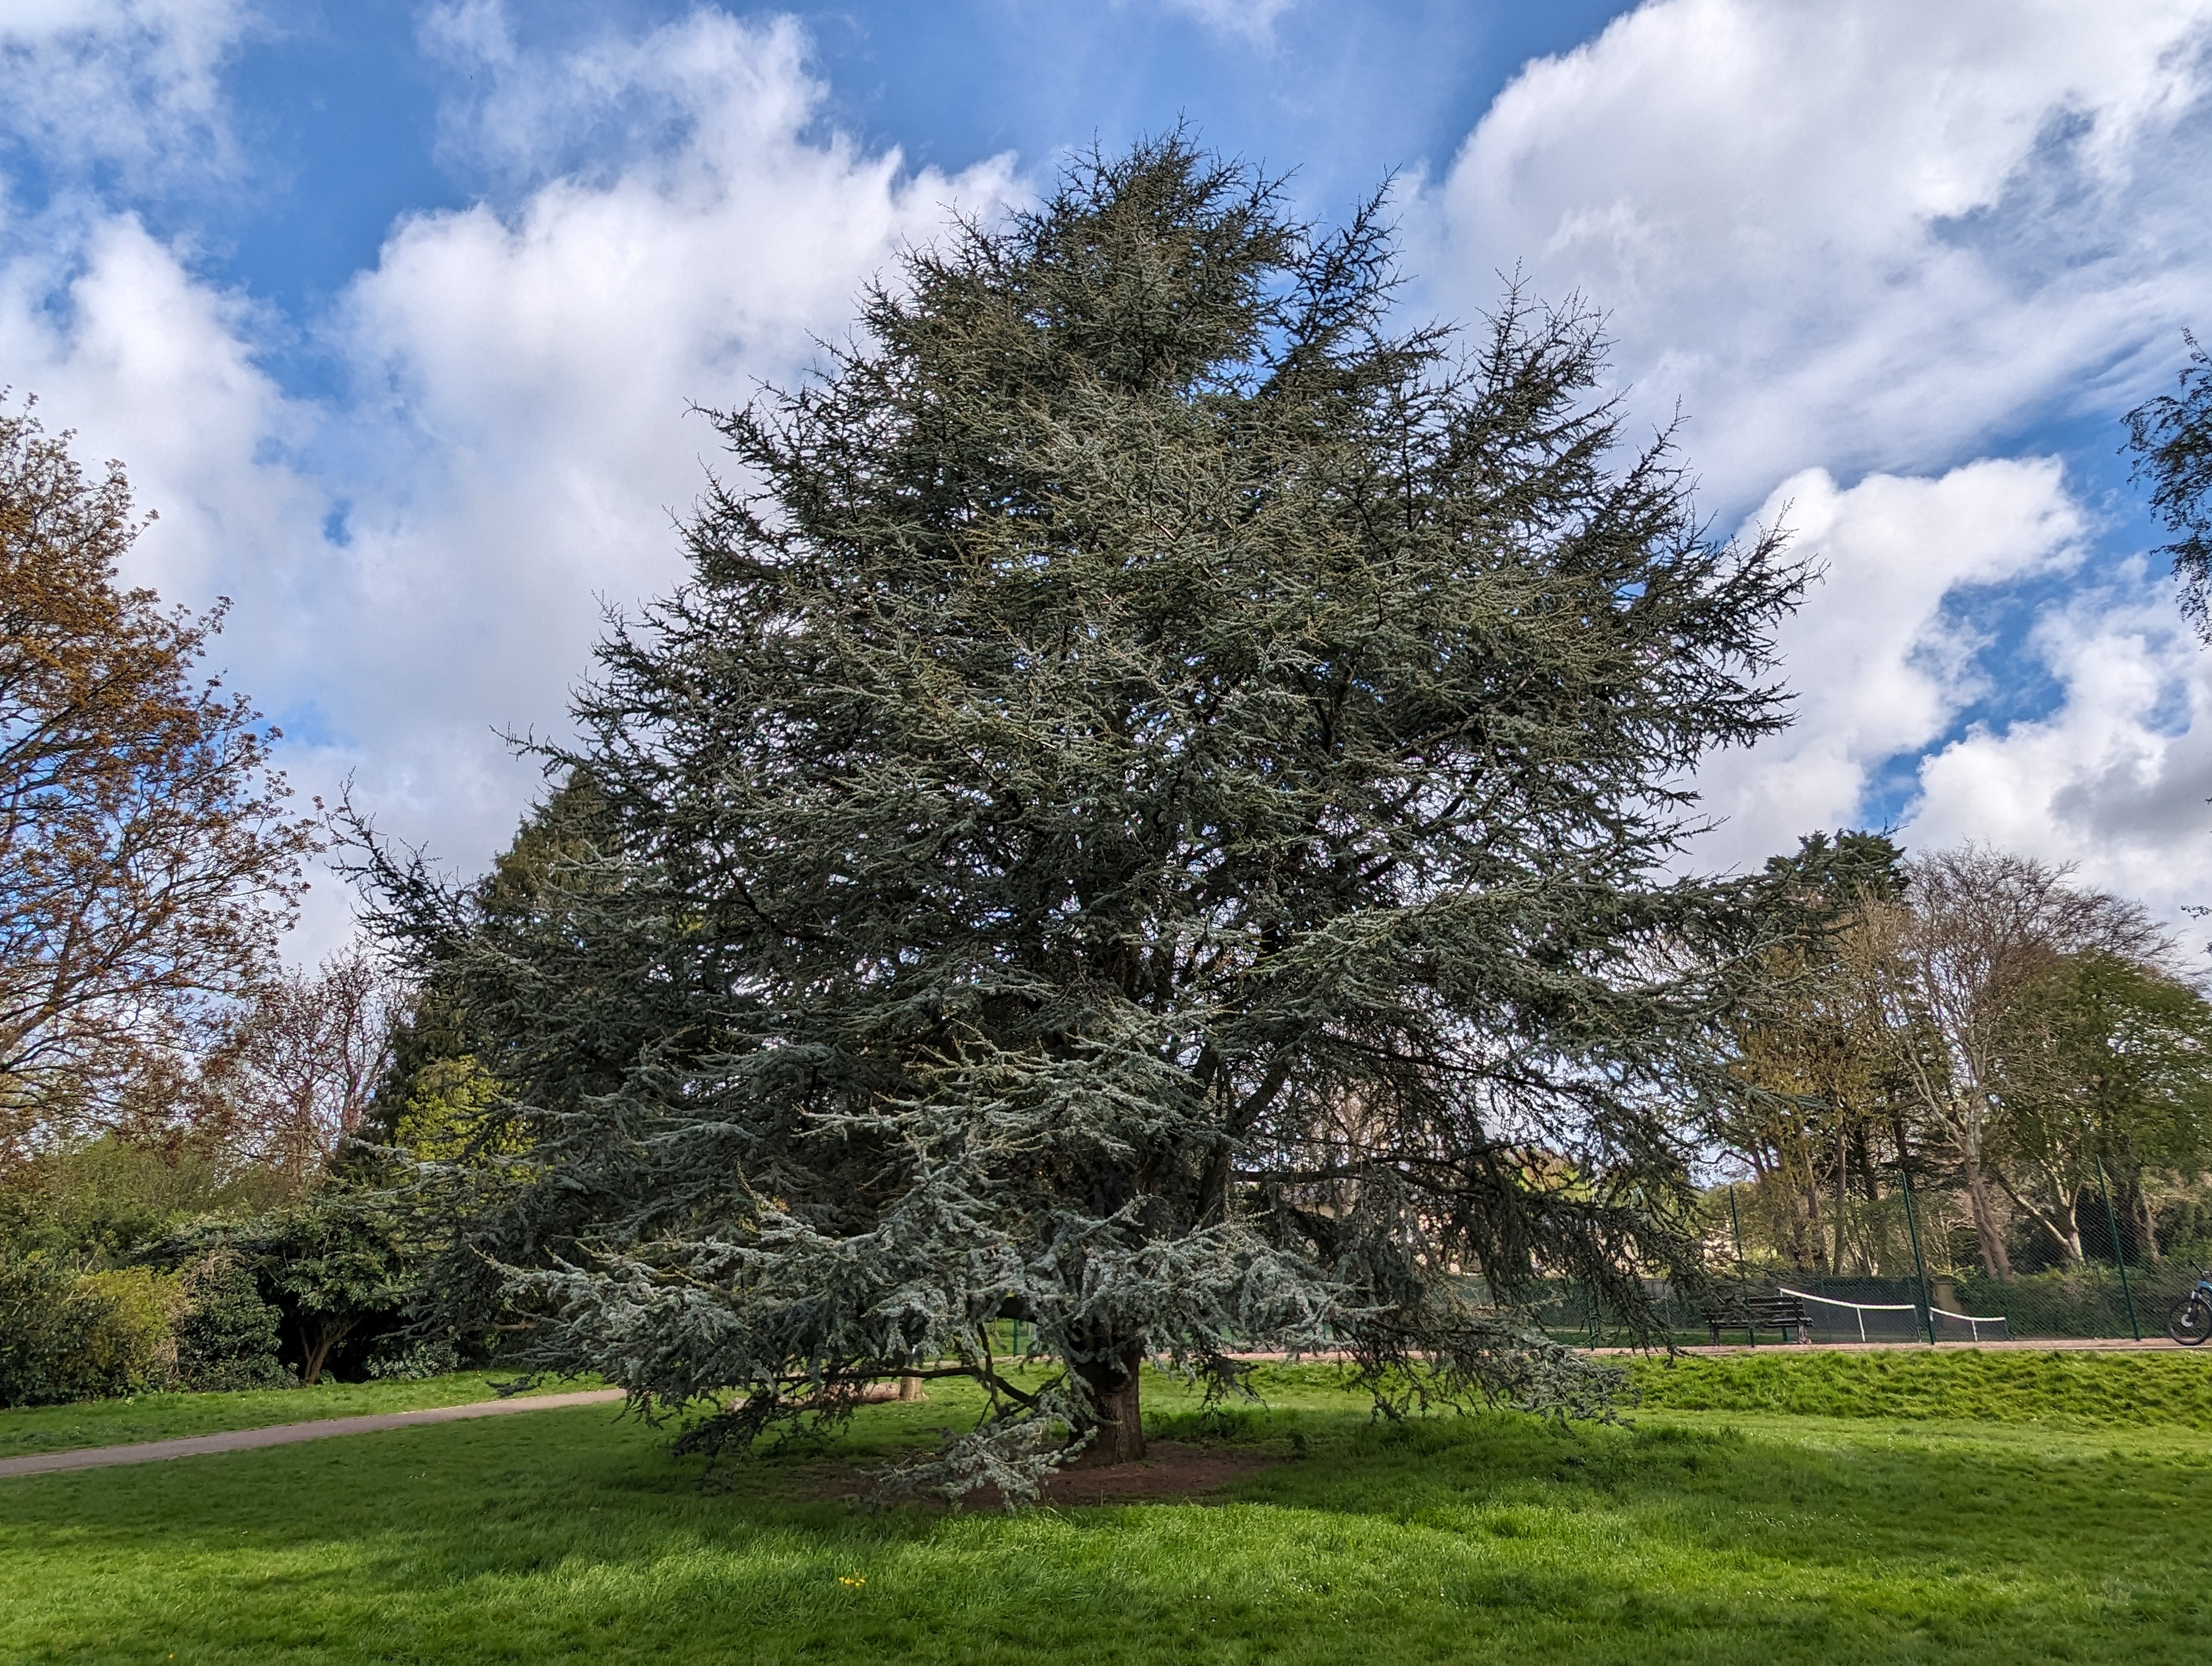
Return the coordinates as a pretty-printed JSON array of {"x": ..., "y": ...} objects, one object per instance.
[
  {"x": 2107, "y": 1060},
  {"x": 146, "y": 865},
  {"x": 336, "y": 1264},
  {"x": 293, "y": 1071},
  {"x": 1978, "y": 934},
  {"x": 1818, "y": 1085},
  {"x": 1150, "y": 820},
  {"x": 2171, "y": 435}
]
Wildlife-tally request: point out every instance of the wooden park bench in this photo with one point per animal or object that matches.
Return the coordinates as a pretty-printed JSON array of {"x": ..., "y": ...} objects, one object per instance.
[{"x": 1752, "y": 1314}]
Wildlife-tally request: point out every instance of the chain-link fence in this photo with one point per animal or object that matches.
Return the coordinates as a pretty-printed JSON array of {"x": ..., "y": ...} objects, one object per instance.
[{"x": 1913, "y": 1269}]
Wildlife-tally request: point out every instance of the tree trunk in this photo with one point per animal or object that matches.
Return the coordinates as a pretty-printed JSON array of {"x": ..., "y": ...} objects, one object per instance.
[
  {"x": 327, "y": 1336},
  {"x": 2146, "y": 1224},
  {"x": 1843, "y": 1196},
  {"x": 1988, "y": 1231},
  {"x": 909, "y": 1386},
  {"x": 1118, "y": 1435}
]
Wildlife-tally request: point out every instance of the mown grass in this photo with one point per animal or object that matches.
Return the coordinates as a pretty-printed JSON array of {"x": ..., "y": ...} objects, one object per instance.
[
  {"x": 168, "y": 1416},
  {"x": 1704, "y": 1537},
  {"x": 2056, "y": 1388}
]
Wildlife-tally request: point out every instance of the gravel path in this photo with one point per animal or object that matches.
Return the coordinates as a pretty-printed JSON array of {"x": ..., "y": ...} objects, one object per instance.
[{"x": 284, "y": 1434}]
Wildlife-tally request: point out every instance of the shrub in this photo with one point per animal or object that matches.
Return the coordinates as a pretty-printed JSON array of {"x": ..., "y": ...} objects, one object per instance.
[
  {"x": 396, "y": 1359},
  {"x": 70, "y": 1335},
  {"x": 42, "y": 1313},
  {"x": 228, "y": 1337},
  {"x": 135, "y": 1345}
]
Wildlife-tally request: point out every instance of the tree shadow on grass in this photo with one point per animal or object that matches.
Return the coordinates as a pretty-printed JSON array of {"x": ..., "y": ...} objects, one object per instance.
[{"x": 576, "y": 1537}]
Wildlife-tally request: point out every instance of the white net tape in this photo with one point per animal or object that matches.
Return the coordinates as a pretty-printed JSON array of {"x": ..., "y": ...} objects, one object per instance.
[
  {"x": 1965, "y": 1328},
  {"x": 1864, "y": 1322}
]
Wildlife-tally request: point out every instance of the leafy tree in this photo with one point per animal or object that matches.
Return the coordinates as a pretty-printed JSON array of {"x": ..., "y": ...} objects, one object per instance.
[
  {"x": 1980, "y": 932},
  {"x": 146, "y": 865},
  {"x": 2106, "y": 1060},
  {"x": 2171, "y": 435},
  {"x": 335, "y": 1264},
  {"x": 290, "y": 1072},
  {"x": 1818, "y": 1085},
  {"x": 1149, "y": 818}
]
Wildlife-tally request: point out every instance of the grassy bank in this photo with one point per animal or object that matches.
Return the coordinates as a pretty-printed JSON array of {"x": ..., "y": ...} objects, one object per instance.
[
  {"x": 2056, "y": 1389},
  {"x": 572, "y": 1536}
]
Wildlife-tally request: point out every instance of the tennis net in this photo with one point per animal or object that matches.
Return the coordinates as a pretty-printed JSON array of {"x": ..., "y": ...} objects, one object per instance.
[{"x": 1829, "y": 1320}]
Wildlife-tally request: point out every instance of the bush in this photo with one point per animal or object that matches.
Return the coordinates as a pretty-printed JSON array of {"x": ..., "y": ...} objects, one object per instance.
[
  {"x": 68, "y": 1336},
  {"x": 398, "y": 1360},
  {"x": 135, "y": 1347},
  {"x": 101, "y": 1202},
  {"x": 228, "y": 1337}
]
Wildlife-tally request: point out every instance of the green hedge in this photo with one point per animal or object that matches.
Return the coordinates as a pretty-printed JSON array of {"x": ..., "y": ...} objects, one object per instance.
[
  {"x": 67, "y": 1335},
  {"x": 70, "y": 1335}
]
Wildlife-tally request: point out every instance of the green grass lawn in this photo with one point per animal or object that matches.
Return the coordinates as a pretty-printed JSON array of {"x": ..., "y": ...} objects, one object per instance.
[
  {"x": 167, "y": 1416},
  {"x": 2056, "y": 1388},
  {"x": 1742, "y": 1534}
]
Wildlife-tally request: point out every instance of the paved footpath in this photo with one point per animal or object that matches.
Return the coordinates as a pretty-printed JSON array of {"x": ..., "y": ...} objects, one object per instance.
[{"x": 284, "y": 1434}]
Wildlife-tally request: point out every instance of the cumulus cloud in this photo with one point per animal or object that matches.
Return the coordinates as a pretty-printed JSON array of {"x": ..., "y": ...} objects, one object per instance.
[
  {"x": 2116, "y": 779},
  {"x": 107, "y": 323},
  {"x": 1857, "y": 236},
  {"x": 424, "y": 561},
  {"x": 1860, "y": 244},
  {"x": 1855, "y": 242},
  {"x": 534, "y": 363},
  {"x": 134, "y": 83},
  {"x": 1882, "y": 661}
]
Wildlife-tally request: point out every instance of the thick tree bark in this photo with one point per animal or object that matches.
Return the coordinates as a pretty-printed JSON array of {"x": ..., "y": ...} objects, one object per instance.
[
  {"x": 1115, "y": 1383},
  {"x": 1987, "y": 1229},
  {"x": 909, "y": 1386}
]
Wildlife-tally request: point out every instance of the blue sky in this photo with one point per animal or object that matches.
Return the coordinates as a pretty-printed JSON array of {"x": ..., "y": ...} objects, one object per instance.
[{"x": 394, "y": 309}]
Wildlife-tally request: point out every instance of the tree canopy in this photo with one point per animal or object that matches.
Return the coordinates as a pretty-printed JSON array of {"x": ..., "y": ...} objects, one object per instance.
[
  {"x": 1150, "y": 816},
  {"x": 2171, "y": 435},
  {"x": 146, "y": 862}
]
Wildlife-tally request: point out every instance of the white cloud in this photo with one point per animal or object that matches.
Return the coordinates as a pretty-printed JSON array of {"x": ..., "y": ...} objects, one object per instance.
[
  {"x": 1868, "y": 241},
  {"x": 131, "y": 82},
  {"x": 2117, "y": 779},
  {"x": 1854, "y": 236},
  {"x": 536, "y": 365},
  {"x": 1880, "y": 666},
  {"x": 105, "y": 324},
  {"x": 1852, "y": 239},
  {"x": 517, "y": 435}
]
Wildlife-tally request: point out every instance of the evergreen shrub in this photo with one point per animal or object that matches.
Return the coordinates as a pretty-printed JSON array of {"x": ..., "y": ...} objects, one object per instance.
[
  {"x": 228, "y": 1337},
  {"x": 397, "y": 1359},
  {"x": 68, "y": 1336}
]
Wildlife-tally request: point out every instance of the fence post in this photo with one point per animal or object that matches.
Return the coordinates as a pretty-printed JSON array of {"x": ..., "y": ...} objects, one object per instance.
[
  {"x": 1742, "y": 1271},
  {"x": 1919, "y": 1264},
  {"x": 2112, "y": 1225}
]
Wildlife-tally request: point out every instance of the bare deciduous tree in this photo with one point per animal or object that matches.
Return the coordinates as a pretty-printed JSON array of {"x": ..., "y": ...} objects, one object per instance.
[
  {"x": 1976, "y": 930},
  {"x": 293, "y": 1073}
]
